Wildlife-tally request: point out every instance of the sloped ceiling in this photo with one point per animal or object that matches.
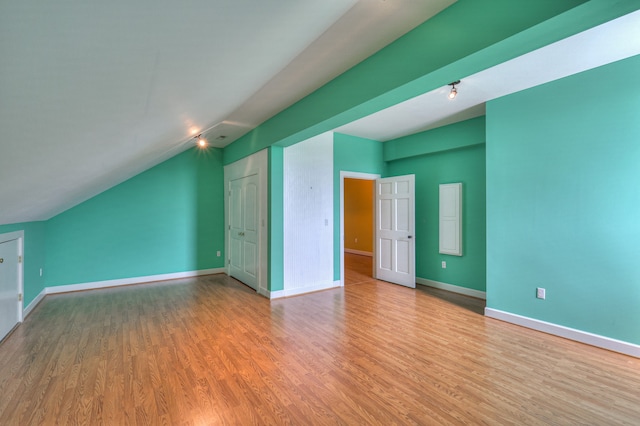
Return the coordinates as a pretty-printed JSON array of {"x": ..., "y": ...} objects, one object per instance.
[{"x": 94, "y": 92}]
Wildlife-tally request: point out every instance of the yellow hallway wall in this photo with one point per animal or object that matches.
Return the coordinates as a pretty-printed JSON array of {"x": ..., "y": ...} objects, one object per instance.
[{"x": 358, "y": 215}]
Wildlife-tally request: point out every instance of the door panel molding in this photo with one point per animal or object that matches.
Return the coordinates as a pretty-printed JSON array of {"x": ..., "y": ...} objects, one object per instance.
[
  {"x": 243, "y": 232},
  {"x": 395, "y": 230}
]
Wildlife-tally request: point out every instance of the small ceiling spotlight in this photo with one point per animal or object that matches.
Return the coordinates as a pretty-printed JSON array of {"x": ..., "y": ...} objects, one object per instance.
[
  {"x": 202, "y": 142},
  {"x": 454, "y": 92}
]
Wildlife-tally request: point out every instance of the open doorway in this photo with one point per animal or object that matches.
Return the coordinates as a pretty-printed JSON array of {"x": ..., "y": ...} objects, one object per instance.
[
  {"x": 357, "y": 227},
  {"x": 358, "y": 230}
]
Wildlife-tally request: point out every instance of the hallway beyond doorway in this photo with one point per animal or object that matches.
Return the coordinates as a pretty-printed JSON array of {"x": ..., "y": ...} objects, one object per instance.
[{"x": 357, "y": 268}]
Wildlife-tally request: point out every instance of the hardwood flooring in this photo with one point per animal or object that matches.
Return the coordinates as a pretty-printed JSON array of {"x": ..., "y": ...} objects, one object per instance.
[
  {"x": 211, "y": 351},
  {"x": 357, "y": 269}
]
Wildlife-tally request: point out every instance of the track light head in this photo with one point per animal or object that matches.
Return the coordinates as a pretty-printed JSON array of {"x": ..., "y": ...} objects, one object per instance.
[
  {"x": 454, "y": 91},
  {"x": 202, "y": 142}
]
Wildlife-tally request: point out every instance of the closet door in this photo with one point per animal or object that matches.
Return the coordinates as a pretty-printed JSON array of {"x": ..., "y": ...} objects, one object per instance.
[{"x": 243, "y": 230}]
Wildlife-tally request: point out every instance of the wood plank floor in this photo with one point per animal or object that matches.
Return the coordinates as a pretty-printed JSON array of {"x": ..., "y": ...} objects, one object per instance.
[
  {"x": 211, "y": 351},
  {"x": 357, "y": 268}
]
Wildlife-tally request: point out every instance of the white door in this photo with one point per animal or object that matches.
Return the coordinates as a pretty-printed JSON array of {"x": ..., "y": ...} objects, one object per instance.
[
  {"x": 243, "y": 230},
  {"x": 9, "y": 287},
  {"x": 395, "y": 230}
]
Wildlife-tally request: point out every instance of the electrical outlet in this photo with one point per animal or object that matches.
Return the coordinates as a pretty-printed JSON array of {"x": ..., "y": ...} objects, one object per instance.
[
  {"x": 218, "y": 253},
  {"x": 444, "y": 265},
  {"x": 541, "y": 293},
  {"x": 356, "y": 240},
  {"x": 40, "y": 271}
]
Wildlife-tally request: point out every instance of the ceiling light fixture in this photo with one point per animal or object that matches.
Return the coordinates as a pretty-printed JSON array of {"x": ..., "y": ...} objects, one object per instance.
[
  {"x": 202, "y": 142},
  {"x": 454, "y": 92}
]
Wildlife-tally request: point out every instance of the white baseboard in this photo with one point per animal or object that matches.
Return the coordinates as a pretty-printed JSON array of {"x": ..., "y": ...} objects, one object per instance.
[
  {"x": 309, "y": 289},
  {"x": 264, "y": 292},
  {"x": 130, "y": 281},
  {"x": 452, "y": 288},
  {"x": 273, "y": 294},
  {"x": 360, "y": 252},
  {"x": 566, "y": 332},
  {"x": 27, "y": 310}
]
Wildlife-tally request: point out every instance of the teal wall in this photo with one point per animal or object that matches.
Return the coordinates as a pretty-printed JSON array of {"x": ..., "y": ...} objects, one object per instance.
[
  {"x": 167, "y": 219},
  {"x": 351, "y": 154},
  {"x": 563, "y": 201},
  {"x": 454, "y": 153},
  {"x": 275, "y": 206},
  {"x": 34, "y": 256}
]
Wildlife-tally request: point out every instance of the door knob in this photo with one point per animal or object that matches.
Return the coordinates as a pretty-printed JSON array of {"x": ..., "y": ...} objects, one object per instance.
[
  {"x": 410, "y": 236},
  {"x": 1, "y": 260}
]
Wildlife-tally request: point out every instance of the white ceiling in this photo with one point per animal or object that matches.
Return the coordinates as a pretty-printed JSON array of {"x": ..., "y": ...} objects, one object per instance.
[
  {"x": 609, "y": 42},
  {"x": 92, "y": 93}
]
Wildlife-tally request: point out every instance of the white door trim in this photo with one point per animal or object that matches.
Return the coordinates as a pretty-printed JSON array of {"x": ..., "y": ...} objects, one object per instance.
[
  {"x": 254, "y": 164},
  {"x": 18, "y": 235},
  {"x": 350, "y": 175}
]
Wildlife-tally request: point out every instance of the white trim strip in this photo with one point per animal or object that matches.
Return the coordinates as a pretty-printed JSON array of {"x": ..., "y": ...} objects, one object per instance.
[
  {"x": 264, "y": 292},
  {"x": 359, "y": 252},
  {"x": 297, "y": 291},
  {"x": 130, "y": 281},
  {"x": 452, "y": 288},
  {"x": 31, "y": 306},
  {"x": 10, "y": 236},
  {"x": 566, "y": 332}
]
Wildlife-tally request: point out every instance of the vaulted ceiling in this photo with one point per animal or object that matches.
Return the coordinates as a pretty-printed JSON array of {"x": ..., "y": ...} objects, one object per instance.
[{"x": 92, "y": 93}]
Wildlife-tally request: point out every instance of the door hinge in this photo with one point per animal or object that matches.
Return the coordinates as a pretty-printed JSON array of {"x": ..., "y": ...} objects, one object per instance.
[
  {"x": 20, "y": 297},
  {"x": 229, "y": 262},
  {"x": 19, "y": 259}
]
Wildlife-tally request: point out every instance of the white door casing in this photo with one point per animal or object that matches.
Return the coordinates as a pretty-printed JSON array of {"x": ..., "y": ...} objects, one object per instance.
[
  {"x": 244, "y": 230},
  {"x": 395, "y": 230},
  {"x": 10, "y": 305}
]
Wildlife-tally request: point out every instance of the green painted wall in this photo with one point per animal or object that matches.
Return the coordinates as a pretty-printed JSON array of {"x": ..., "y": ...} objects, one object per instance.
[
  {"x": 563, "y": 201},
  {"x": 420, "y": 61},
  {"x": 466, "y": 165},
  {"x": 460, "y": 135},
  {"x": 351, "y": 154},
  {"x": 167, "y": 219},
  {"x": 276, "y": 219},
  {"x": 34, "y": 256}
]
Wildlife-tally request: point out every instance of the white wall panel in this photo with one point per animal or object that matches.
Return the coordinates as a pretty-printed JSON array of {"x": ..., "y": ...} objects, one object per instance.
[
  {"x": 450, "y": 220},
  {"x": 308, "y": 214}
]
